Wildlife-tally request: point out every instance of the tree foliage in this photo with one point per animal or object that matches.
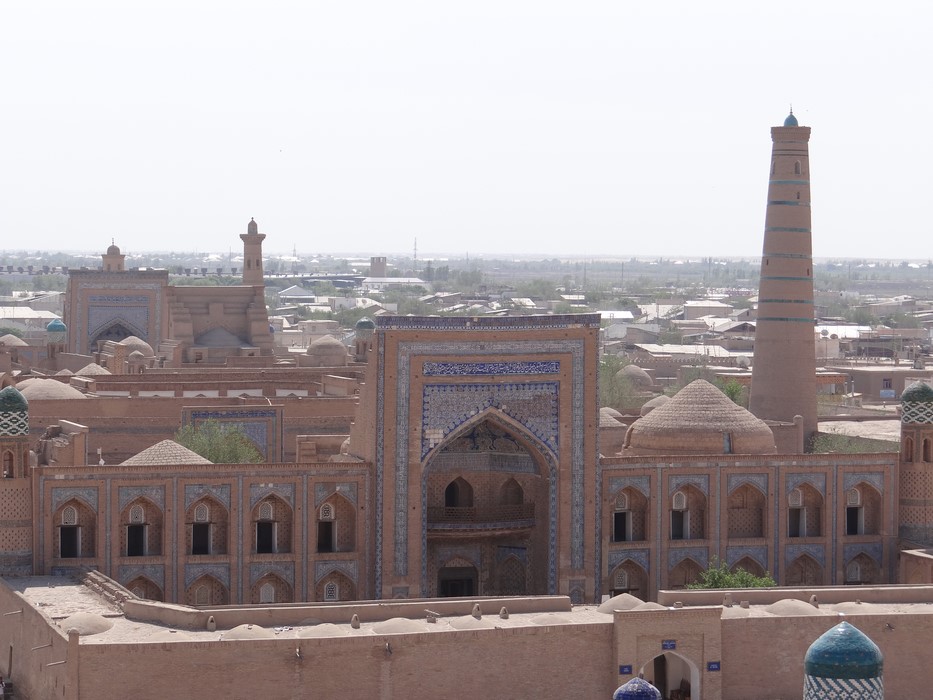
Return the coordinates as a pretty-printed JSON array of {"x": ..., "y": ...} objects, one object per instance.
[
  {"x": 718, "y": 575},
  {"x": 614, "y": 391},
  {"x": 219, "y": 443}
]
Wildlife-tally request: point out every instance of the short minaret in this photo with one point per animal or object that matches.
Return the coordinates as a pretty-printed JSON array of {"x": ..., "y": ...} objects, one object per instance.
[
  {"x": 16, "y": 490},
  {"x": 252, "y": 254},
  {"x": 784, "y": 369},
  {"x": 843, "y": 664},
  {"x": 915, "y": 468},
  {"x": 113, "y": 259}
]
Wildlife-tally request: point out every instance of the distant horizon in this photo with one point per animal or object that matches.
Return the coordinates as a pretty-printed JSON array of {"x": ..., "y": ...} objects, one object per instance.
[{"x": 433, "y": 256}]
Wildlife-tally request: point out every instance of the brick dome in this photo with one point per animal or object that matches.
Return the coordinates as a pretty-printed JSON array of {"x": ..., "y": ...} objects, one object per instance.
[
  {"x": 700, "y": 419},
  {"x": 639, "y": 378},
  {"x": 327, "y": 352},
  {"x": 133, "y": 344},
  {"x": 49, "y": 389}
]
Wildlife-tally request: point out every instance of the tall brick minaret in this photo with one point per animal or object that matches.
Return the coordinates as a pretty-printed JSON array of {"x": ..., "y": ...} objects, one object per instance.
[
  {"x": 784, "y": 369},
  {"x": 252, "y": 254}
]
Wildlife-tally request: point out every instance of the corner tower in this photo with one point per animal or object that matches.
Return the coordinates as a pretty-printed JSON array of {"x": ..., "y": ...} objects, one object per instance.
[
  {"x": 16, "y": 535},
  {"x": 784, "y": 370},
  {"x": 915, "y": 470},
  {"x": 252, "y": 254}
]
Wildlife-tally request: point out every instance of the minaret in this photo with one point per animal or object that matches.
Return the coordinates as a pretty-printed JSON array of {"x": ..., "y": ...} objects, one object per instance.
[
  {"x": 784, "y": 369},
  {"x": 113, "y": 259},
  {"x": 915, "y": 468},
  {"x": 252, "y": 254}
]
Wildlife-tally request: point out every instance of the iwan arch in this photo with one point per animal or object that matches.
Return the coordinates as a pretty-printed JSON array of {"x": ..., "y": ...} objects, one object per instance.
[{"x": 482, "y": 433}]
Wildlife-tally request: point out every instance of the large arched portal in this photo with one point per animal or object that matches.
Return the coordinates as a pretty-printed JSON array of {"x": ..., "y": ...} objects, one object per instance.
[{"x": 487, "y": 503}]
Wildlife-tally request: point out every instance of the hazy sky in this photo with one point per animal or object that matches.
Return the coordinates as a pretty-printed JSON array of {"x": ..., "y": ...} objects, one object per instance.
[{"x": 532, "y": 127}]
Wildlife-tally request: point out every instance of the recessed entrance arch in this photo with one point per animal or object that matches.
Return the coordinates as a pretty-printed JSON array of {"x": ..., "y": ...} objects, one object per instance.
[
  {"x": 457, "y": 581},
  {"x": 488, "y": 493},
  {"x": 672, "y": 673}
]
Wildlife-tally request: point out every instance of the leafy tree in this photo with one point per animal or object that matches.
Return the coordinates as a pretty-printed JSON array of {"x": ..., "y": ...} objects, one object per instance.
[
  {"x": 219, "y": 443},
  {"x": 6, "y": 330},
  {"x": 734, "y": 390},
  {"x": 718, "y": 575},
  {"x": 614, "y": 391}
]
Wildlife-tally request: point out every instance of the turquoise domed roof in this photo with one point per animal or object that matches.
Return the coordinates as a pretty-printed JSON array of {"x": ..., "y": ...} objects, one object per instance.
[
  {"x": 791, "y": 120},
  {"x": 12, "y": 401},
  {"x": 365, "y": 323},
  {"x": 844, "y": 652},
  {"x": 637, "y": 689},
  {"x": 56, "y": 326},
  {"x": 918, "y": 392}
]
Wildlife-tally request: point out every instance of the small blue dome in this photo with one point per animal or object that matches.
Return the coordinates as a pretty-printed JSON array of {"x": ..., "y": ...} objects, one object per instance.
[
  {"x": 791, "y": 120},
  {"x": 844, "y": 652},
  {"x": 12, "y": 401},
  {"x": 365, "y": 323},
  {"x": 56, "y": 326},
  {"x": 637, "y": 689}
]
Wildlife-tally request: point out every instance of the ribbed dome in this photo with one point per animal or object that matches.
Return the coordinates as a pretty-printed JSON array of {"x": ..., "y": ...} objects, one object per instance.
[
  {"x": 132, "y": 343},
  {"x": 656, "y": 402},
  {"x": 700, "y": 419},
  {"x": 12, "y": 400},
  {"x": 165, "y": 452},
  {"x": 844, "y": 652},
  {"x": 49, "y": 389},
  {"x": 91, "y": 370}
]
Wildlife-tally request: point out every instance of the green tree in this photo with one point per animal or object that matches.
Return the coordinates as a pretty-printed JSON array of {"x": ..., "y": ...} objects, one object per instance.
[
  {"x": 718, "y": 575},
  {"x": 734, "y": 390},
  {"x": 6, "y": 330},
  {"x": 614, "y": 391},
  {"x": 219, "y": 443}
]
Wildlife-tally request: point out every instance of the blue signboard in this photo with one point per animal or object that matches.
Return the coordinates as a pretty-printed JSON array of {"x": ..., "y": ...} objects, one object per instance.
[
  {"x": 625, "y": 670},
  {"x": 668, "y": 643},
  {"x": 712, "y": 665}
]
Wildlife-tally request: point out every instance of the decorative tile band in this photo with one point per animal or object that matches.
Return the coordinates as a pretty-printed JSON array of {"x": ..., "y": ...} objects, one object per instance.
[
  {"x": 61, "y": 495},
  {"x": 153, "y": 572},
  {"x": 220, "y": 492},
  {"x": 284, "y": 570},
  {"x": 446, "y": 369},
  {"x": 620, "y": 556},
  {"x": 350, "y": 569},
  {"x": 221, "y": 572},
  {"x": 641, "y": 483},
  {"x": 759, "y": 481},
  {"x": 128, "y": 494},
  {"x": 758, "y": 554},
  {"x": 817, "y": 481},
  {"x": 286, "y": 492},
  {"x": 793, "y": 551},
  {"x": 699, "y": 554}
]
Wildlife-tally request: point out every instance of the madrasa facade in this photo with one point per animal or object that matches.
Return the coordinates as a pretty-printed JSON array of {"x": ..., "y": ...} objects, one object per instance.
[{"x": 473, "y": 467}]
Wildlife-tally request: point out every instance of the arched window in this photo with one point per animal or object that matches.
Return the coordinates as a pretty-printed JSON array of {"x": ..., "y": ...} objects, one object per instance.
[
  {"x": 331, "y": 591},
  {"x": 511, "y": 493},
  {"x": 853, "y": 497},
  {"x": 927, "y": 450},
  {"x": 202, "y": 595},
  {"x": 327, "y": 512},
  {"x": 265, "y": 511},
  {"x": 855, "y": 514},
  {"x": 795, "y": 498},
  {"x": 137, "y": 515},
  {"x": 202, "y": 513},
  {"x": 908, "y": 454},
  {"x": 8, "y": 463},
  {"x": 70, "y": 516},
  {"x": 797, "y": 168},
  {"x": 621, "y": 580},
  {"x": 267, "y": 593},
  {"x": 853, "y": 572},
  {"x": 680, "y": 501}
]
